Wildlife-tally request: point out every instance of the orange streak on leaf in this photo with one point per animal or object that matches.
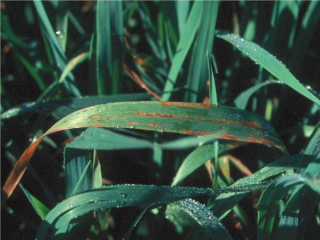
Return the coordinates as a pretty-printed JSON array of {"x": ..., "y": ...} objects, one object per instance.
[
  {"x": 218, "y": 120},
  {"x": 97, "y": 125},
  {"x": 243, "y": 168},
  {"x": 182, "y": 104},
  {"x": 95, "y": 116},
  {"x": 132, "y": 123},
  {"x": 157, "y": 115},
  {"x": 20, "y": 167},
  {"x": 208, "y": 167},
  {"x": 228, "y": 136},
  {"x": 140, "y": 60},
  {"x": 18, "y": 170},
  {"x": 138, "y": 80},
  {"x": 196, "y": 133}
]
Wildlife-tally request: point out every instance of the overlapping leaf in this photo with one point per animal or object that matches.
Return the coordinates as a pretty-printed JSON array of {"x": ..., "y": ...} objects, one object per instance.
[
  {"x": 126, "y": 196},
  {"x": 185, "y": 118}
]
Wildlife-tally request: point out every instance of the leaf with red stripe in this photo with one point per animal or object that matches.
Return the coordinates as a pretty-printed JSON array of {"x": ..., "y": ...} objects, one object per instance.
[{"x": 185, "y": 118}]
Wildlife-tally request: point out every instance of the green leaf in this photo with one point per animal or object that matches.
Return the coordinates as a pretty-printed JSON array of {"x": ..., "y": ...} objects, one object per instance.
[
  {"x": 32, "y": 70},
  {"x": 72, "y": 64},
  {"x": 6, "y": 28},
  {"x": 304, "y": 36},
  {"x": 58, "y": 54},
  {"x": 40, "y": 208},
  {"x": 81, "y": 179},
  {"x": 204, "y": 217},
  {"x": 183, "y": 47},
  {"x": 185, "y": 118},
  {"x": 224, "y": 203},
  {"x": 61, "y": 108},
  {"x": 62, "y": 24},
  {"x": 182, "y": 10},
  {"x": 77, "y": 176},
  {"x": 300, "y": 206},
  {"x": 270, "y": 198},
  {"x": 242, "y": 100},
  {"x": 269, "y": 62},
  {"x": 120, "y": 196},
  {"x": 198, "y": 72},
  {"x": 195, "y": 160}
]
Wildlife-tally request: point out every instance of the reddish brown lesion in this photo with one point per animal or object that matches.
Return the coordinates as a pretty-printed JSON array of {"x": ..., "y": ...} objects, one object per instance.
[
  {"x": 95, "y": 116},
  {"x": 183, "y": 104},
  {"x": 246, "y": 124},
  {"x": 97, "y": 125},
  {"x": 189, "y": 132},
  {"x": 131, "y": 123},
  {"x": 161, "y": 115},
  {"x": 153, "y": 125},
  {"x": 230, "y": 137},
  {"x": 217, "y": 120}
]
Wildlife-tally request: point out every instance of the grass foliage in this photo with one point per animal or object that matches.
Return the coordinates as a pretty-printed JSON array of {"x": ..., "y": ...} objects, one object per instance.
[{"x": 176, "y": 120}]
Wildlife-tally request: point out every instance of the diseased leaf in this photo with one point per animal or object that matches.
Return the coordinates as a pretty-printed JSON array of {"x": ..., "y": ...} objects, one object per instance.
[{"x": 185, "y": 118}]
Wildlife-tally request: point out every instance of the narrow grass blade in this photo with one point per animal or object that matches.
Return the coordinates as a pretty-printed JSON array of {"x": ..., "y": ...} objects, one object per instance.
[
  {"x": 129, "y": 232},
  {"x": 204, "y": 217},
  {"x": 267, "y": 206},
  {"x": 198, "y": 72},
  {"x": 78, "y": 178},
  {"x": 213, "y": 100},
  {"x": 81, "y": 179},
  {"x": 62, "y": 24},
  {"x": 284, "y": 22},
  {"x": 138, "y": 80},
  {"x": 58, "y": 54},
  {"x": 196, "y": 159},
  {"x": 224, "y": 203},
  {"x": 71, "y": 65},
  {"x": 184, "y": 118},
  {"x": 96, "y": 171},
  {"x": 116, "y": 16},
  {"x": 38, "y": 206},
  {"x": 300, "y": 206},
  {"x": 269, "y": 62},
  {"x": 183, "y": 47},
  {"x": 242, "y": 100},
  {"x": 6, "y": 28},
  {"x": 304, "y": 37},
  {"x": 103, "y": 48},
  {"x": 32, "y": 70},
  {"x": 182, "y": 11}
]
